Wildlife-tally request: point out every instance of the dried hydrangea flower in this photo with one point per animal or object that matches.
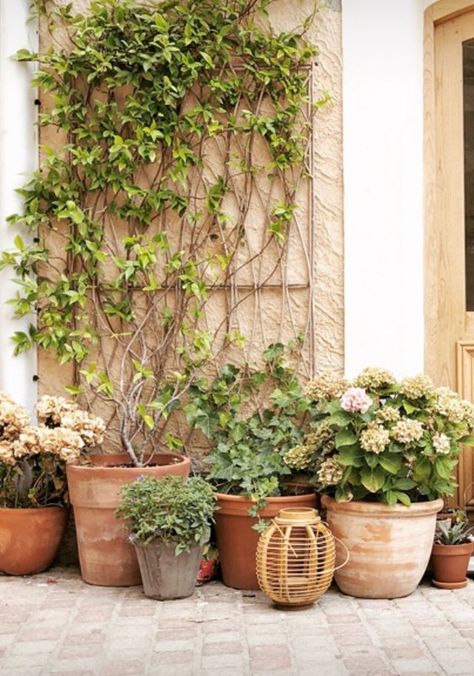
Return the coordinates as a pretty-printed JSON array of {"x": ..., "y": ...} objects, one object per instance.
[
  {"x": 298, "y": 457},
  {"x": 356, "y": 400},
  {"x": 330, "y": 472},
  {"x": 406, "y": 431},
  {"x": 61, "y": 442},
  {"x": 374, "y": 439},
  {"x": 321, "y": 438},
  {"x": 468, "y": 413},
  {"x": 28, "y": 442},
  {"x": 89, "y": 427},
  {"x": 441, "y": 444},
  {"x": 13, "y": 419},
  {"x": 417, "y": 387},
  {"x": 448, "y": 404},
  {"x": 50, "y": 410},
  {"x": 387, "y": 414},
  {"x": 325, "y": 387},
  {"x": 6, "y": 453},
  {"x": 372, "y": 378}
]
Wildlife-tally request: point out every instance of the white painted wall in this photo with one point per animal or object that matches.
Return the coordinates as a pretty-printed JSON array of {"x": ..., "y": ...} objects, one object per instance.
[
  {"x": 18, "y": 152},
  {"x": 383, "y": 183}
]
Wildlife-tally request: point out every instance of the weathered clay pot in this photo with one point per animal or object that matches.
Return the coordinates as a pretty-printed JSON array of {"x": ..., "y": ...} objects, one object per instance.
[
  {"x": 389, "y": 547},
  {"x": 105, "y": 555},
  {"x": 449, "y": 564},
  {"x": 237, "y": 540},
  {"x": 30, "y": 538},
  {"x": 165, "y": 575}
]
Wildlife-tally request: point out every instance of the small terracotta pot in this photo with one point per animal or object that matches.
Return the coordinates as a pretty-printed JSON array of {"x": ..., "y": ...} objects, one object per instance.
[
  {"x": 30, "y": 538},
  {"x": 236, "y": 539},
  {"x": 106, "y": 557},
  {"x": 389, "y": 547},
  {"x": 449, "y": 563}
]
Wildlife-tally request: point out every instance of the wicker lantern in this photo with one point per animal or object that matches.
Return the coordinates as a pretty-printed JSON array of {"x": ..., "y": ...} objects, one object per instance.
[{"x": 296, "y": 558}]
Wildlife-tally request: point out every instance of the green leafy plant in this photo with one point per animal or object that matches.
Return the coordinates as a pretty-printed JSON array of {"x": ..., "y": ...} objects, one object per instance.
[
  {"x": 167, "y": 115},
  {"x": 173, "y": 509},
  {"x": 456, "y": 534},
  {"x": 383, "y": 440},
  {"x": 251, "y": 417}
]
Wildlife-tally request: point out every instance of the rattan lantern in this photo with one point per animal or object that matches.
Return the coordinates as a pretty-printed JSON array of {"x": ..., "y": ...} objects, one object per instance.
[{"x": 296, "y": 558}]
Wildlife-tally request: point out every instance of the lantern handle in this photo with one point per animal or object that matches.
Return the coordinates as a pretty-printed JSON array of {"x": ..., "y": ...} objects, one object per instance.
[{"x": 348, "y": 555}]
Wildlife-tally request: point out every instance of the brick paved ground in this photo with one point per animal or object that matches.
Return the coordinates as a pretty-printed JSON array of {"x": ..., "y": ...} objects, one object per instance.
[{"x": 55, "y": 624}]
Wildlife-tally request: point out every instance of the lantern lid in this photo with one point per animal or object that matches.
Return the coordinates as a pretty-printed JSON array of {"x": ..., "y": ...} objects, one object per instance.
[{"x": 297, "y": 516}]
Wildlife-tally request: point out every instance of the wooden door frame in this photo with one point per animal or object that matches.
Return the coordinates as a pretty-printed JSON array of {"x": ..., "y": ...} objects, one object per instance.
[{"x": 435, "y": 14}]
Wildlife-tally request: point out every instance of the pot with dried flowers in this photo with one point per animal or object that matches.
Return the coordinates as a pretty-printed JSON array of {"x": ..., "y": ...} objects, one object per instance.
[
  {"x": 33, "y": 488},
  {"x": 383, "y": 453}
]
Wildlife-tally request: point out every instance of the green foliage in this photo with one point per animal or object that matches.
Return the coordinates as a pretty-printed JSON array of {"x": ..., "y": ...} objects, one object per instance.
[
  {"x": 125, "y": 207},
  {"x": 393, "y": 442},
  {"x": 251, "y": 417},
  {"x": 173, "y": 509},
  {"x": 456, "y": 534}
]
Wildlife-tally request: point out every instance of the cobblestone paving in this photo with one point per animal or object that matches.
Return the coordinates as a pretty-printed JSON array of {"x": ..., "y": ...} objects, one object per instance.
[{"x": 55, "y": 624}]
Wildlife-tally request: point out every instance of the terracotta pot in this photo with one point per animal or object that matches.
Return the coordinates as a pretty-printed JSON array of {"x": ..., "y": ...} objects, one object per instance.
[
  {"x": 30, "y": 538},
  {"x": 167, "y": 576},
  {"x": 389, "y": 547},
  {"x": 449, "y": 563},
  {"x": 237, "y": 540},
  {"x": 105, "y": 555}
]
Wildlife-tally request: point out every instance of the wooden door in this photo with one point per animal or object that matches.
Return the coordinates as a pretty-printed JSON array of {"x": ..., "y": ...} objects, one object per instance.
[{"x": 450, "y": 237}]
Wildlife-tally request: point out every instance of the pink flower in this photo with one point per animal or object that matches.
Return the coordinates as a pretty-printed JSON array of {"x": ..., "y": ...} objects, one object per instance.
[{"x": 355, "y": 400}]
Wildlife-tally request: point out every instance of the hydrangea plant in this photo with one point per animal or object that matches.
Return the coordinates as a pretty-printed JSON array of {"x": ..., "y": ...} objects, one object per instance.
[
  {"x": 383, "y": 440},
  {"x": 33, "y": 457}
]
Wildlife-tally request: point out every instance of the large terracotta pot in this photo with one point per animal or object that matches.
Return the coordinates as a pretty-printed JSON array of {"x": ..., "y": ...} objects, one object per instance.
[
  {"x": 449, "y": 563},
  {"x": 105, "y": 555},
  {"x": 237, "y": 540},
  {"x": 389, "y": 547},
  {"x": 30, "y": 538}
]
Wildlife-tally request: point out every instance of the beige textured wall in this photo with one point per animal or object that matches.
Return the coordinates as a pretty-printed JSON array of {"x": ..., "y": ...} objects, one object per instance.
[{"x": 315, "y": 256}]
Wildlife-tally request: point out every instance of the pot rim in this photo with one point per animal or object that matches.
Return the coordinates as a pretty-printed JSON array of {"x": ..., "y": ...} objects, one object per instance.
[
  {"x": 242, "y": 499},
  {"x": 365, "y": 508},
  {"x": 76, "y": 467},
  {"x": 34, "y": 510},
  {"x": 453, "y": 550}
]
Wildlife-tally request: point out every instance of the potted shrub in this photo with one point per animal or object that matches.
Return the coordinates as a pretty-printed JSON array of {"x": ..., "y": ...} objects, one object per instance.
[
  {"x": 452, "y": 549},
  {"x": 383, "y": 453},
  {"x": 33, "y": 488},
  {"x": 251, "y": 417},
  {"x": 169, "y": 523}
]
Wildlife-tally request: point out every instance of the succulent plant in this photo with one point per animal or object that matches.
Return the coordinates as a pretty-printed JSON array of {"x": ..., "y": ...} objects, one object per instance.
[{"x": 456, "y": 534}]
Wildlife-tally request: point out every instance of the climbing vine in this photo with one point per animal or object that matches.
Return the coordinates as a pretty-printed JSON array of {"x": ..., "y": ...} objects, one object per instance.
[{"x": 166, "y": 196}]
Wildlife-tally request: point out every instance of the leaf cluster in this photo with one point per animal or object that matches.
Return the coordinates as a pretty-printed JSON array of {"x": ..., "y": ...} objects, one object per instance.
[
  {"x": 251, "y": 417},
  {"x": 172, "y": 509},
  {"x": 456, "y": 534}
]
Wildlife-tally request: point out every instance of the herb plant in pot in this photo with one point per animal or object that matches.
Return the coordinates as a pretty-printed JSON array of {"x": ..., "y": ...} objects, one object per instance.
[
  {"x": 251, "y": 417},
  {"x": 389, "y": 454},
  {"x": 169, "y": 522},
  {"x": 33, "y": 488},
  {"x": 452, "y": 549}
]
